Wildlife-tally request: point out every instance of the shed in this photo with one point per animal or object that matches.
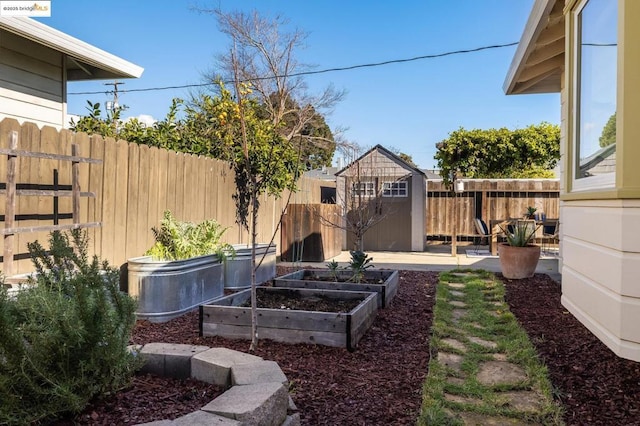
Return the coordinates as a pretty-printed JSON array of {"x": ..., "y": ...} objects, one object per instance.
[
  {"x": 388, "y": 193},
  {"x": 37, "y": 61}
]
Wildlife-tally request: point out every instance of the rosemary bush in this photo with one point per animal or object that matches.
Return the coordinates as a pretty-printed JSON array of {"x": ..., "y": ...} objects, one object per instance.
[
  {"x": 63, "y": 339},
  {"x": 176, "y": 240}
]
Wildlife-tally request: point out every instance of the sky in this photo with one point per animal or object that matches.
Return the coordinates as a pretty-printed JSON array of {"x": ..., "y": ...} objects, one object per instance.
[{"x": 409, "y": 106}]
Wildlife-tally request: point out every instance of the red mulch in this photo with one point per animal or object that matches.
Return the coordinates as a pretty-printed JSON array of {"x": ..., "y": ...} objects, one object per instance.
[
  {"x": 595, "y": 386},
  {"x": 380, "y": 383}
]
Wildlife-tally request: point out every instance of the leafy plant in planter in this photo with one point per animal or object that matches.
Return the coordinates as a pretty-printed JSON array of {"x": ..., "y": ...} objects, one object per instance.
[
  {"x": 531, "y": 211},
  {"x": 176, "y": 240},
  {"x": 519, "y": 257},
  {"x": 521, "y": 233}
]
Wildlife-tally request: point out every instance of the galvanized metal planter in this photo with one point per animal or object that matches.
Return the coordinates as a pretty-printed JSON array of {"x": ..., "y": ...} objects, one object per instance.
[
  {"x": 225, "y": 318},
  {"x": 237, "y": 270},
  {"x": 168, "y": 289},
  {"x": 384, "y": 283}
]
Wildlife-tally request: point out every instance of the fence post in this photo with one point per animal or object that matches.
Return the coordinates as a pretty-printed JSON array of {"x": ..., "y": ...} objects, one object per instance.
[
  {"x": 75, "y": 183},
  {"x": 10, "y": 207}
]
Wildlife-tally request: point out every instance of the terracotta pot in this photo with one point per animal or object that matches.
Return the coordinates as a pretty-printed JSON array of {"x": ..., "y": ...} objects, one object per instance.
[{"x": 518, "y": 262}]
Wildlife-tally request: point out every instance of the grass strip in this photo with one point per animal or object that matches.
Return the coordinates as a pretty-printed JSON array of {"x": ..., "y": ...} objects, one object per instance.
[{"x": 473, "y": 326}]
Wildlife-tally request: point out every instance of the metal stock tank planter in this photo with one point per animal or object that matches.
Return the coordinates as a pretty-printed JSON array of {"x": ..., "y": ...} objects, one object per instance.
[
  {"x": 182, "y": 270},
  {"x": 237, "y": 268},
  {"x": 168, "y": 289}
]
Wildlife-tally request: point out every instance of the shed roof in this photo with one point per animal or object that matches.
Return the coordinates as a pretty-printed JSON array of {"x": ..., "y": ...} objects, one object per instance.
[
  {"x": 86, "y": 62},
  {"x": 393, "y": 157},
  {"x": 539, "y": 59}
]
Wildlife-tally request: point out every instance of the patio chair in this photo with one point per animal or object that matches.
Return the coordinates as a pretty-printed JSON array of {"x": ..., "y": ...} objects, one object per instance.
[
  {"x": 483, "y": 231},
  {"x": 550, "y": 233}
]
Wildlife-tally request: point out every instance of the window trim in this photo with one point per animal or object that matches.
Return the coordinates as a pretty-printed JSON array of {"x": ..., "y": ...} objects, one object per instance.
[
  {"x": 389, "y": 186},
  {"x": 368, "y": 187},
  {"x": 605, "y": 181}
]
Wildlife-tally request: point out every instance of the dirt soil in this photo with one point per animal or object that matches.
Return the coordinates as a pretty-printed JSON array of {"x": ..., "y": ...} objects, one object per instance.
[
  {"x": 287, "y": 299},
  {"x": 380, "y": 383}
]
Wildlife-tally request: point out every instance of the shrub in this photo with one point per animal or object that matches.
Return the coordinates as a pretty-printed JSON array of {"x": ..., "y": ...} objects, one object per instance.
[
  {"x": 177, "y": 240},
  {"x": 63, "y": 338}
]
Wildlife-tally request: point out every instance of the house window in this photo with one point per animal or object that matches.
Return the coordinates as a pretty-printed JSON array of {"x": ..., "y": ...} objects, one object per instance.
[
  {"x": 394, "y": 189},
  {"x": 595, "y": 93},
  {"x": 364, "y": 189}
]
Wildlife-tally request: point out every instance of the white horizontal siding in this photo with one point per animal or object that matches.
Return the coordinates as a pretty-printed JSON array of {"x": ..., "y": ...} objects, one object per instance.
[
  {"x": 600, "y": 270},
  {"x": 25, "y": 107},
  {"x": 31, "y": 81}
]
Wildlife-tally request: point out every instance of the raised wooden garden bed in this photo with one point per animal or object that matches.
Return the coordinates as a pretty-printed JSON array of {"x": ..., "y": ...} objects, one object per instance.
[
  {"x": 226, "y": 317},
  {"x": 384, "y": 283}
]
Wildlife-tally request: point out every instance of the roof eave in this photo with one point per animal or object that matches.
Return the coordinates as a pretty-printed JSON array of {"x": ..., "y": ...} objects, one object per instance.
[
  {"x": 539, "y": 58},
  {"x": 110, "y": 66}
]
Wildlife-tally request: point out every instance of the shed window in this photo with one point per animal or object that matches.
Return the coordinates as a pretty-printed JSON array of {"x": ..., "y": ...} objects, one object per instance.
[
  {"x": 365, "y": 189},
  {"x": 394, "y": 189}
]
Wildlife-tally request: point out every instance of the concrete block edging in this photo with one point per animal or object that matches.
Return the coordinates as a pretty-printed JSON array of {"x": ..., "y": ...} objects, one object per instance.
[{"x": 267, "y": 400}]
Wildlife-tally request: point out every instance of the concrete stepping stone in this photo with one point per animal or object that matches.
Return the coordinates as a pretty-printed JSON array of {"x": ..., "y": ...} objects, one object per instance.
[
  {"x": 455, "y": 344},
  {"x": 528, "y": 401},
  {"x": 452, "y": 361},
  {"x": 485, "y": 343},
  {"x": 458, "y": 304},
  {"x": 462, "y": 399},
  {"x": 214, "y": 366},
  {"x": 476, "y": 419},
  {"x": 262, "y": 404},
  {"x": 455, "y": 381},
  {"x": 457, "y": 314},
  {"x": 455, "y": 293},
  {"x": 500, "y": 357},
  {"x": 493, "y": 373},
  {"x": 477, "y": 326},
  {"x": 456, "y": 285}
]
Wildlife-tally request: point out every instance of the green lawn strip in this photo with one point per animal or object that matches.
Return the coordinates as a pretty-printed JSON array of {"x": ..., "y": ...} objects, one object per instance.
[{"x": 486, "y": 316}]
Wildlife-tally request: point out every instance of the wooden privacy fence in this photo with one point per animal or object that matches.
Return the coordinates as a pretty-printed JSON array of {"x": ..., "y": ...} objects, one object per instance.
[
  {"x": 11, "y": 192},
  {"x": 306, "y": 237},
  {"x": 133, "y": 185},
  {"x": 489, "y": 199}
]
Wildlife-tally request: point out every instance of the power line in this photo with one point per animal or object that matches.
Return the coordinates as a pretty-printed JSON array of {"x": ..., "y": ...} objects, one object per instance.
[{"x": 323, "y": 71}]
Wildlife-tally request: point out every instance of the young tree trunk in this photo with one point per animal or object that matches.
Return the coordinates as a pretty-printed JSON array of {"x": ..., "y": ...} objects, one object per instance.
[{"x": 254, "y": 295}]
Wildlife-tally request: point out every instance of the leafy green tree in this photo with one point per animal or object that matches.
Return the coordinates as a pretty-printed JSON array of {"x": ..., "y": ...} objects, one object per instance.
[
  {"x": 608, "y": 135},
  {"x": 531, "y": 152}
]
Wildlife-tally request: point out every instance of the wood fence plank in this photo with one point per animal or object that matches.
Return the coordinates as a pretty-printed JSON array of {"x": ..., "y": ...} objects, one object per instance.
[
  {"x": 133, "y": 195},
  {"x": 96, "y": 184},
  {"x": 162, "y": 164},
  {"x": 144, "y": 221},
  {"x": 108, "y": 248}
]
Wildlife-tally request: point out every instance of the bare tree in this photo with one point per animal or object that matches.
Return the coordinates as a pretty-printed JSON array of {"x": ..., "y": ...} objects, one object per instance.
[{"x": 265, "y": 56}]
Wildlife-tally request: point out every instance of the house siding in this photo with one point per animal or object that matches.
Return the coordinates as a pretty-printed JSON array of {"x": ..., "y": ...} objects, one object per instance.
[
  {"x": 31, "y": 82},
  {"x": 600, "y": 238}
]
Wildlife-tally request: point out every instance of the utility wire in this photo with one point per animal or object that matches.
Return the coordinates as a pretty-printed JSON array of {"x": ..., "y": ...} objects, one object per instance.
[{"x": 323, "y": 71}]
